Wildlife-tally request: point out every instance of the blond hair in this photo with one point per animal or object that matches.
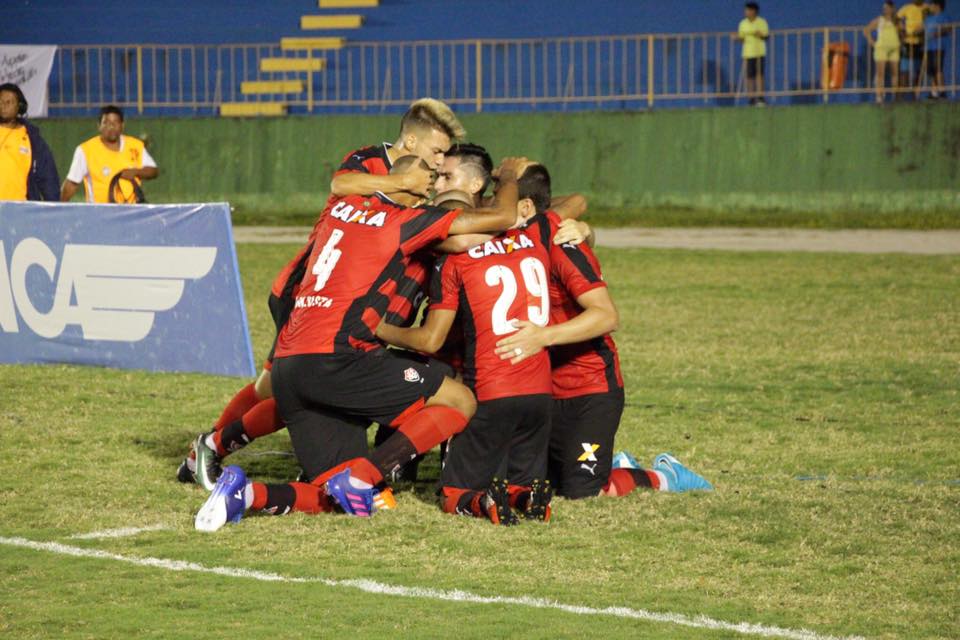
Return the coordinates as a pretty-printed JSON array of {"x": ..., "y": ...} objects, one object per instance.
[{"x": 429, "y": 113}]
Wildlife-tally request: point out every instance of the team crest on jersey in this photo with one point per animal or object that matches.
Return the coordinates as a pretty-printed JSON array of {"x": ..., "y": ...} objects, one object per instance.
[
  {"x": 411, "y": 375},
  {"x": 24, "y": 150},
  {"x": 347, "y": 213},
  {"x": 105, "y": 171},
  {"x": 501, "y": 246}
]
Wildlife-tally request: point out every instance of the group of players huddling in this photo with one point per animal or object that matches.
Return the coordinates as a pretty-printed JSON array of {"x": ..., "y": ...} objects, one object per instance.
[{"x": 511, "y": 364}]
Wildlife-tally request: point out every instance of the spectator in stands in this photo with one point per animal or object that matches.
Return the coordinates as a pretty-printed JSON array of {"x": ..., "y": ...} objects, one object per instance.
[
  {"x": 935, "y": 32},
  {"x": 98, "y": 160},
  {"x": 27, "y": 169},
  {"x": 753, "y": 33},
  {"x": 886, "y": 47},
  {"x": 911, "y": 59}
]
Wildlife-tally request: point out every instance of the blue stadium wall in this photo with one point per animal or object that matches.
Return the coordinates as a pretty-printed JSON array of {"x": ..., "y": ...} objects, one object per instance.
[{"x": 248, "y": 21}]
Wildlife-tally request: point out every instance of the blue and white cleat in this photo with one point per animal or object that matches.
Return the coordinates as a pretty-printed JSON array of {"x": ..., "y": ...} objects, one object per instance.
[
  {"x": 354, "y": 496},
  {"x": 623, "y": 460},
  {"x": 679, "y": 478},
  {"x": 226, "y": 503}
]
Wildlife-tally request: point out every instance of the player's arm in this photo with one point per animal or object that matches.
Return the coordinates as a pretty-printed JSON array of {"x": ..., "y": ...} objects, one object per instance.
[
  {"x": 462, "y": 242},
  {"x": 144, "y": 173},
  {"x": 68, "y": 190},
  {"x": 78, "y": 169},
  {"x": 502, "y": 214},
  {"x": 427, "y": 338},
  {"x": 416, "y": 180},
  {"x": 599, "y": 317},
  {"x": 569, "y": 206},
  {"x": 868, "y": 31}
]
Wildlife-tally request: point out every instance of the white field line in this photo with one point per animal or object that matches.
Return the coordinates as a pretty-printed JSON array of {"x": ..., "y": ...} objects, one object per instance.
[
  {"x": 370, "y": 586},
  {"x": 122, "y": 532}
]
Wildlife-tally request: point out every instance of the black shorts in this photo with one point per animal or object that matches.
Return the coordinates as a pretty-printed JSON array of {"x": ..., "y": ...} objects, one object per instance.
[
  {"x": 507, "y": 438},
  {"x": 372, "y": 385},
  {"x": 755, "y": 66},
  {"x": 280, "y": 310},
  {"x": 581, "y": 443}
]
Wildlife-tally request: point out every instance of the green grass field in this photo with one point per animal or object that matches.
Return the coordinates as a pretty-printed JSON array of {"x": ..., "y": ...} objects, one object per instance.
[{"x": 818, "y": 392}]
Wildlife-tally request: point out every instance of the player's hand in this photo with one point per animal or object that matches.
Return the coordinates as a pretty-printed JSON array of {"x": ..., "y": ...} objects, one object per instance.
[
  {"x": 129, "y": 174},
  {"x": 572, "y": 232},
  {"x": 512, "y": 165},
  {"x": 529, "y": 340},
  {"x": 418, "y": 181}
]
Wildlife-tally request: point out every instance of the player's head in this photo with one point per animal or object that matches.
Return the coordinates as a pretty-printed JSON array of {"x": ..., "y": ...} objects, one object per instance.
[
  {"x": 751, "y": 10},
  {"x": 937, "y": 6},
  {"x": 453, "y": 199},
  {"x": 110, "y": 123},
  {"x": 889, "y": 8},
  {"x": 13, "y": 104},
  {"x": 466, "y": 167},
  {"x": 402, "y": 165},
  {"x": 534, "y": 196},
  {"x": 427, "y": 130}
]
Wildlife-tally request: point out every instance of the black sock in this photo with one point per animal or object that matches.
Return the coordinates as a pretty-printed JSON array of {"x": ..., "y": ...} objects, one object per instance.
[
  {"x": 233, "y": 437},
  {"x": 395, "y": 452},
  {"x": 280, "y": 499}
]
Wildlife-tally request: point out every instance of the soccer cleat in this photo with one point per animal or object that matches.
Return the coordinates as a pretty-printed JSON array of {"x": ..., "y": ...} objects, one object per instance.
[
  {"x": 384, "y": 499},
  {"x": 623, "y": 460},
  {"x": 496, "y": 504},
  {"x": 354, "y": 496},
  {"x": 208, "y": 464},
  {"x": 538, "y": 508},
  {"x": 226, "y": 503},
  {"x": 679, "y": 478},
  {"x": 188, "y": 467}
]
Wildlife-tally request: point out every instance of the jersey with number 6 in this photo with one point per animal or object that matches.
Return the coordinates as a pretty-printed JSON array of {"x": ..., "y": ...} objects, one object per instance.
[
  {"x": 356, "y": 260},
  {"x": 507, "y": 278}
]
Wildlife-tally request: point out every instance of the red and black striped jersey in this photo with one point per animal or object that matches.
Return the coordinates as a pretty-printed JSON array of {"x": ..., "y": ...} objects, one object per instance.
[
  {"x": 490, "y": 285},
  {"x": 411, "y": 289},
  {"x": 587, "y": 367},
  {"x": 356, "y": 260},
  {"x": 373, "y": 160}
]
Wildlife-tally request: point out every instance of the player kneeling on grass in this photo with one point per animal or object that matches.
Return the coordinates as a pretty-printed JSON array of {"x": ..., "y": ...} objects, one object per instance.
[
  {"x": 328, "y": 360},
  {"x": 588, "y": 399},
  {"x": 495, "y": 288}
]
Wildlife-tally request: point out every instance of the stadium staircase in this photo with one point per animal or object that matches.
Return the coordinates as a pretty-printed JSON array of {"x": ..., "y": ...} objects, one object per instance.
[{"x": 297, "y": 59}]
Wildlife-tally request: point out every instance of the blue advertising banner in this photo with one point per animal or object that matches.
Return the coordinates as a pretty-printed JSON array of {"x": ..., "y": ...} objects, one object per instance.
[{"x": 151, "y": 287}]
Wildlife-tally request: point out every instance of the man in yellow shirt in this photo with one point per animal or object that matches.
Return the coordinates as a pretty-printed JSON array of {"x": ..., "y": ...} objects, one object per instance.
[
  {"x": 911, "y": 18},
  {"x": 98, "y": 160},
  {"x": 27, "y": 169},
  {"x": 753, "y": 33}
]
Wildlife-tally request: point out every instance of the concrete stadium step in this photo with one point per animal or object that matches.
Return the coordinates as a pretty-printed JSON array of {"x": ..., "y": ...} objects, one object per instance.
[
  {"x": 250, "y": 87},
  {"x": 345, "y": 21},
  {"x": 293, "y": 44},
  {"x": 292, "y": 64},
  {"x": 252, "y": 109},
  {"x": 347, "y": 4}
]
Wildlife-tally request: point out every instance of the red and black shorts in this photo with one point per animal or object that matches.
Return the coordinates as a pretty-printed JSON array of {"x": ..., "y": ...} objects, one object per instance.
[
  {"x": 581, "y": 442},
  {"x": 280, "y": 310},
  {"x": 507, "y": 438}
]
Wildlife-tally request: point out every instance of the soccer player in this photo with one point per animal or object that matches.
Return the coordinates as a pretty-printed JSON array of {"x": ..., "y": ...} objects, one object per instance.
[
  {"x": 497, "y": 287},
  {"x": 588, "y": 399},
  {"x": 426, "y": 131},
  {"x": 98, "y": 160},
  {"x": 27, "y": 169},
  {"x": 328, "y": 358}
]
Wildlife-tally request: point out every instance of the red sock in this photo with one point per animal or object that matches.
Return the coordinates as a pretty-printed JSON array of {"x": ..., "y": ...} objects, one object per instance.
[
  {"x": 462, "y": 502},
  {"x": 430, "y": 426},
  {"x": 623, "y": 481},
  {"x": 360, "y": 468},
  {"x": 242, "y": 402},
  {"x": 518, "y": 496},
  {"x": 262, "y": 419},
  {"x": 279, "y": 499}
]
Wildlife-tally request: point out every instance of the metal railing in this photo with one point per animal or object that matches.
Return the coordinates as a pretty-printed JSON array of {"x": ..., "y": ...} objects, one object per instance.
[{"x": 620, "y": 72}]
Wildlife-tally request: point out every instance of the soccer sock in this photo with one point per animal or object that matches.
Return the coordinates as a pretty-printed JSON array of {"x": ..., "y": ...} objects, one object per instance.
[
  {"x": 519, "y": 497},
  {"x": 623, "y": 481},
  {"x": 242, "y": 402},
  {"x": 417, "y": 434},
  {"x": 278, "y": 499},
  {"x": 463, "y": 502},
  {"x": 261, "y": 420}
]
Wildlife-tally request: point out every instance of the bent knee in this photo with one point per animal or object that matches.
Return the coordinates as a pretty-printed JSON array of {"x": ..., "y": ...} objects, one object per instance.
[{"x": 263, "y": 386}]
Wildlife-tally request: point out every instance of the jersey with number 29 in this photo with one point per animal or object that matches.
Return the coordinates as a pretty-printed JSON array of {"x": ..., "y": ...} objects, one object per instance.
[{"x": 356, "y": 259}]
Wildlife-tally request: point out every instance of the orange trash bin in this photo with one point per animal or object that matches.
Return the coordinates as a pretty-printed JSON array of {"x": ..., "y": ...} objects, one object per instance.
[{"x": 834, "y": 69}]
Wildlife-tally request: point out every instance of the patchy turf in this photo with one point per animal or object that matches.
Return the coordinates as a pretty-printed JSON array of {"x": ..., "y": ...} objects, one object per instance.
[{"x": 818, "y": 392}]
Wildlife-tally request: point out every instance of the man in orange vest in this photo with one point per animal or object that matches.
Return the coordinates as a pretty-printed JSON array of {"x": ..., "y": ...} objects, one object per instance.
[
  {"x": 98, "y": 160},
  {"x": 27, "y": 169}
]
